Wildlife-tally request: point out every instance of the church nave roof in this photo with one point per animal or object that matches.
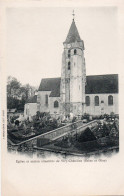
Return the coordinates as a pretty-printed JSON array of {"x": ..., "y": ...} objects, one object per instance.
[{"x": 96, "y": 84}]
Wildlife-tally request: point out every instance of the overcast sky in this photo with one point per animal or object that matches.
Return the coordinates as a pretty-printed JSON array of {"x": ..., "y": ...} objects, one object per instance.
[{"x": 35, "y": 39}]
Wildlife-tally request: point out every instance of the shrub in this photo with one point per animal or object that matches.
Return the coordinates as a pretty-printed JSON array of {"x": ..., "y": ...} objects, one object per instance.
[{"x": 87, "y": 135}]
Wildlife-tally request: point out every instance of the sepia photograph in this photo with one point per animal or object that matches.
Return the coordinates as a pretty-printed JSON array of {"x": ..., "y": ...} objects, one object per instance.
[
  {"x": 62, "y": 76},
  {"x": 62, "y": 81}
]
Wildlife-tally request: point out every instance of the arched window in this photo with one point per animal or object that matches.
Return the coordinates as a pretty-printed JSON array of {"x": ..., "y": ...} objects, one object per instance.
[
  {"x": 69, "y": 53},
  {"x": 69, "y": 65},
  {"x": 75, "y": 51},
  {"x": 56, "y": 104},
  {"x": 87, "y": 100},
  {"x": 46, "y": 100},
  {"x": 110, "y": 100},
  {"x": 96, "y": 101}
]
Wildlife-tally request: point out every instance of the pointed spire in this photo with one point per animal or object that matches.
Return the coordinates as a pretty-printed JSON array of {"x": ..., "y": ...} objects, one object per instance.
[{"x": 73, "y": 34}]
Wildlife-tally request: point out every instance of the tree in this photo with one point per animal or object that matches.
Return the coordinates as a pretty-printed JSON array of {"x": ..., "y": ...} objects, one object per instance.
[
  {"x": 12, "y": 102},
  {"x": 17, "y": 94},
  {"x": 27, "y": 91},
  {"x": 86, "y": 136},
  {"x": 13, "y": 87}
]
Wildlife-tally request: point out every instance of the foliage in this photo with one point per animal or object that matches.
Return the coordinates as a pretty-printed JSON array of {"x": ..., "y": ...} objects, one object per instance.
[
  {"x": 17, "y": 94},
  {"x": 87, "y": 135},
  {"x": 13, "y": 87},
  {"x": 85, "y": 116},
  {"x": 42, "y": 123}
]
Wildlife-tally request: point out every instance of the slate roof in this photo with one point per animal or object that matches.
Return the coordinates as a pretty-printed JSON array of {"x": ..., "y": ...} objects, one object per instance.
[
  {"x": 102, "y": 84},
  {"x": 95, "y": 84},
  {"x": 73, "y": 34},
  {"x": 32, "y": 99},
  {"x": 51, "y": 84}
]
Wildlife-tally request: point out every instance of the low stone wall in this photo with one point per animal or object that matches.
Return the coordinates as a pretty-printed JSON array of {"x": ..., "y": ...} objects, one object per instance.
[
  {"x": 54, "y": 133},
  {"x": 82, "y": 128},
  {"x": 57, "y": 132}
]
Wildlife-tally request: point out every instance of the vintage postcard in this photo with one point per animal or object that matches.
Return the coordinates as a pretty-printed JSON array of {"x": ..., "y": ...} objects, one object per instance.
[{"x": 62, "y": 97}]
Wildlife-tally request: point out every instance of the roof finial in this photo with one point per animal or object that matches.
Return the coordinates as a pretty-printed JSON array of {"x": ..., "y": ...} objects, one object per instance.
[{"x": 73, "y": 14}]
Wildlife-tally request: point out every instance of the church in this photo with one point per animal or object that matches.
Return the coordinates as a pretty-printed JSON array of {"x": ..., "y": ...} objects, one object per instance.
[{"x": 75, "y": 93}]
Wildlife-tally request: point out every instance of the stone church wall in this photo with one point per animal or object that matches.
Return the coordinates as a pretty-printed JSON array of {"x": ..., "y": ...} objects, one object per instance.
[
  {"x": 103, "y": 108},
  {"x": 50, "y": 107},
  {"x": 30, "y": 109},
  {"x": 54, "y": 110},
  {"x": 41, "y": 100}
]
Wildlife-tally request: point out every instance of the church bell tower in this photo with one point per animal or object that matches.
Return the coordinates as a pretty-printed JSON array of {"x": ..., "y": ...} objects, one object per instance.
[{"x": 73, "y": 74}]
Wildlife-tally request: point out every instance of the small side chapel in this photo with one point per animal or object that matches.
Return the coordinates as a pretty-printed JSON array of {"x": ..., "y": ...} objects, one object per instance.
[{"x": 75, "y": 93}]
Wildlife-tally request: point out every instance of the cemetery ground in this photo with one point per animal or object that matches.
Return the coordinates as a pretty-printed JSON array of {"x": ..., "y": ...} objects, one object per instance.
[{"x": 101, "y": 138}]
